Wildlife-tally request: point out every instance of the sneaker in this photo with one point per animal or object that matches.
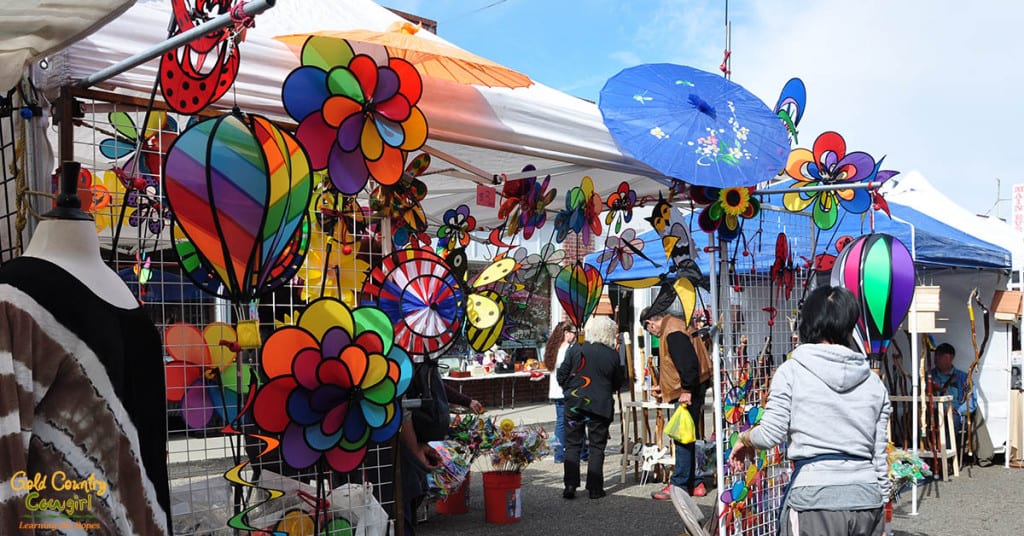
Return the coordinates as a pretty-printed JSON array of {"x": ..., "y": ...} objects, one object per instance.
[
  {"x": 569, "y": 492},
  {"x": 664, "y": 494},
  {"x": 699, "y": 490}
]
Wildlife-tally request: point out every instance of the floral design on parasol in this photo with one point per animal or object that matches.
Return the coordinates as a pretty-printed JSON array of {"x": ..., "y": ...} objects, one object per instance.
[
  {"x": 525, "y": 204},
  {"x": 725, "y": 207},
  {"x": 830, "y": 164},
  {"x": 693, "y": 125},
  {"x": 582, "y": 212},
  {"x": 357, "y": 112},
  {"x": 333, "y": 384},
  {"x": 423, "y": 299},
  {"x": 620, "y": 206}
]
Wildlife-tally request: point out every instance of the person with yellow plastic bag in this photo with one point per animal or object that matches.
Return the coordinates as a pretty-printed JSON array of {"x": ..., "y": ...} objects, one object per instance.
[{"x": 678, "y": 382}]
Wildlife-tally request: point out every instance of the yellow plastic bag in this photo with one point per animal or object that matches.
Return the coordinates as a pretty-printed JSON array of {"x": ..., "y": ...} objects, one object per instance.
[{"x": 680, "y": 426}]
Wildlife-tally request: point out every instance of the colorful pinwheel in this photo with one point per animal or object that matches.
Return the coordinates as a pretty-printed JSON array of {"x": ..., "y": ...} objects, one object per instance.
[
  {"x": 525, "y": 204},
  {"x": 333, "y": 384},
  {"x": 620, "y": 250},
  {"x": 582, "y": 213},
  {"x": 332, "y": 269},
  {"x": 791, "y": 104},
  {"x": 139, "y": 175},
  {"x": 548, "y": 260},
  {"x": 879, "y": 270},
  {"x": 400, "y": 202},
  {"x": 725, "y": 207},
  {"x": 455, "y": 232},
  {"x": 357, "y": 116},
  {"x": 107, "y": 194},
  {"x": 203, "y": 375},
  {"x": 620, "y": 206},
  {"x": 240, "y": 189},
  {"x": 830, "y": 164},
  {"x": 423, "y": 299}
]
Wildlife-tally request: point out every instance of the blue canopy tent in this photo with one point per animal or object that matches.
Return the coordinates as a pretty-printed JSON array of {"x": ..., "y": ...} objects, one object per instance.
[{"x": 933, "y": 244}]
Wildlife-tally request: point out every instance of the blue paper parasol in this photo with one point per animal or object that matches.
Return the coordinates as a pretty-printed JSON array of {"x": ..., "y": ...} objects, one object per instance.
[{"x": 694, "y": 126}]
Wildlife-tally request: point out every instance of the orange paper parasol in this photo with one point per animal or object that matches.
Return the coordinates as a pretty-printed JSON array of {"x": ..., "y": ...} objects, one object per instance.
[{"x": 431, "y": 58}]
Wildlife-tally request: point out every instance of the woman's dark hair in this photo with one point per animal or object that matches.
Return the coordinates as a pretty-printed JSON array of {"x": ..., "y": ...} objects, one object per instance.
[
  {"x": 554, "y": 342},
  {"x": 829, "y": 314}
]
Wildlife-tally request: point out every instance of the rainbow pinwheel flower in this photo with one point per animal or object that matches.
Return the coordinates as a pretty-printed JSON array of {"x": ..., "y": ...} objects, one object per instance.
[
  {"x": 334, "y": 380},
  {"x": 620, "y": 206},
  {"x": 582, "y": 212},
  {"x": 725, "y": 207},
  {"x": 619, "y": 250},
  {"x": 458, "y": 223},
  {"x": 357, "y": 119},
  {"x": 830, "y": 164},
  {"x": 525, "y": 204}
]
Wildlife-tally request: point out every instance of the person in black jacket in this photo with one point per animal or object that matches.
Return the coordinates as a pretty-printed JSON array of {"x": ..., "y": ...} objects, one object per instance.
[{"x": 591, "y": 373}]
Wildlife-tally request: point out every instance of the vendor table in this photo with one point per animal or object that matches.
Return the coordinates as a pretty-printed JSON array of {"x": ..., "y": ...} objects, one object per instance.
[{"x": 483, "y": 388}]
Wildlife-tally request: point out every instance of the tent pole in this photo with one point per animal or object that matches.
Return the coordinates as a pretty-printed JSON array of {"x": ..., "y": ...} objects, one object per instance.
[
  {"x": 254, "y": 7},
  {"x": 915, "y": 377}
]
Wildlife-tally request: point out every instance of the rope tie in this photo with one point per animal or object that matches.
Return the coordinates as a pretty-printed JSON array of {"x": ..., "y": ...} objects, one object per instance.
[{"x": 241, "y": 19}]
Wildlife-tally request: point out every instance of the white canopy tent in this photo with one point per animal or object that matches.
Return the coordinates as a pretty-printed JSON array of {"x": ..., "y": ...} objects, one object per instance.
[
  {"x": 993, "y": 380},
  {"x": 477, "y": 133},
  {"x": 32, "y": 28}
]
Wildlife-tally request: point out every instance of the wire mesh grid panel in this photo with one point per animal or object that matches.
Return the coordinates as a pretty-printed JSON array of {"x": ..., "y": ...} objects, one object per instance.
[
  {"x": 764, "y": 276},
  {"x": 12, "y": 129},
  {"x": 217, "y": 464}
]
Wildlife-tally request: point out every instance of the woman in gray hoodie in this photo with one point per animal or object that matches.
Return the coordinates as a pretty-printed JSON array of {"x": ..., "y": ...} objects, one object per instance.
[{"x": 834, "y": 413}]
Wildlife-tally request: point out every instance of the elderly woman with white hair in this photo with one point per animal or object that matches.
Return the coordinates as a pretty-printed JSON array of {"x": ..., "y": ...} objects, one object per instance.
[{"x": 591, "y": 373}]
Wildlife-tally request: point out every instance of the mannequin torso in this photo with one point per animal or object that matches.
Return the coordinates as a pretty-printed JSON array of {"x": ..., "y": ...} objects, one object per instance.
[{"x": 74, "y": 246}]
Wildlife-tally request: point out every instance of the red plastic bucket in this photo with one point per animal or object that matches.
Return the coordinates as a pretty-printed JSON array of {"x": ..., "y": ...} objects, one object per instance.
[
  {"x": 457, "y": 502},
  {"x": 502, "y": 496}
]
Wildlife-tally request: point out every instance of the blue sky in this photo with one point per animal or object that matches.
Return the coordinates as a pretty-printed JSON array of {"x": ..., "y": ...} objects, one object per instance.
[{"x": 934, "y": 85}]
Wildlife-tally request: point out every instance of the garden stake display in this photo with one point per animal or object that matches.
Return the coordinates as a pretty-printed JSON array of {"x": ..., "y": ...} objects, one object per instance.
[{"x": 979, "y": 350}]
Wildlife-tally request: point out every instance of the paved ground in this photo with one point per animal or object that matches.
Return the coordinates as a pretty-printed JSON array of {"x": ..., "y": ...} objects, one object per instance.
[{"x": 981, "y": 501}]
